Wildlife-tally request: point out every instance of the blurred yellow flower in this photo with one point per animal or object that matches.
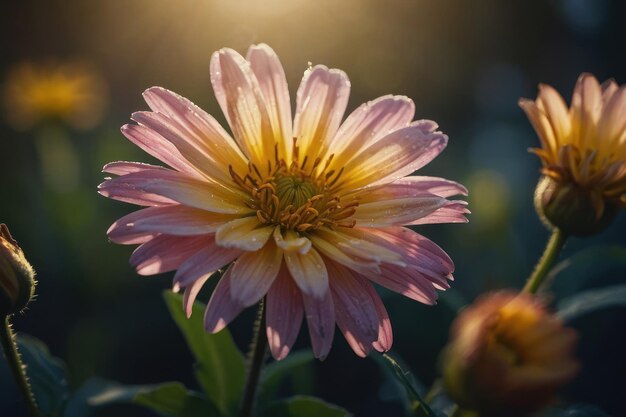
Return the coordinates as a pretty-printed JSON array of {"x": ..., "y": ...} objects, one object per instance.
[
  {"x": 507, "y": 356},
  {"x": 583, "y": 153},
  {"x": 72, "y": 92}
]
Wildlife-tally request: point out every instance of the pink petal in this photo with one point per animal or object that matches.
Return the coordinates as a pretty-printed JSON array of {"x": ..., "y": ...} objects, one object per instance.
[
  {"x": 428, "y": 267},
  {"x": 165, "y": 253},
  {"x": 171, "y": 220},
  {"x": 253, "y": 273},
  {"x": 396, "y": 211},
  {"x": 395, "y": 156},
  {"x": 284, "y": 311},
  {"x": 359, "y": 244},
  {"x": 320, "y": 104},
  {"x": 245, "y": 234},
  {"x": 418, "y": 251},
  {"x": 128, "y": 193},
  {"x": 367, "y": 124},
  {"x": 406, "y": 281},
  {"x": 195, "y": 152},
  {"x": 385, "y": 333},
  {"x": 157, "y": 146},
  {"x": 239, "y": 95},
  {"x": 273, "y": 84},
  {"x": 124, "y": 167},
  {"x": 327, "y": 247},
  {"x": 452, "y": 212},
  {"x": 177, "y": 187},
  {"x": 206, "y": 261},
  {"x": 191, "y": 292},
  {"x": 308, "y": 271},
  {"x": 221, "y": 308},
  {"x": 416, "y": 186},
  {"x": 200, "y": 129},
  {"x": 320, "y": 317},
  {"x": 355, "y": 312}
]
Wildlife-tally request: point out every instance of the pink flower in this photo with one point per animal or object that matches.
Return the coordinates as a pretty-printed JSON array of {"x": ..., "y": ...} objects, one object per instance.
[{"x": 307, "y": 214}]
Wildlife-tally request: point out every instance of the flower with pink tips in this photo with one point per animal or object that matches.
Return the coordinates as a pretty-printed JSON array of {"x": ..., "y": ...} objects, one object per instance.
[{"x": 307, "y": 212}]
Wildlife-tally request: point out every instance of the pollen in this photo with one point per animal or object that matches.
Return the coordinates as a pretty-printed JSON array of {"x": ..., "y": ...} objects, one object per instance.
[{"x": 297, "y": 196}]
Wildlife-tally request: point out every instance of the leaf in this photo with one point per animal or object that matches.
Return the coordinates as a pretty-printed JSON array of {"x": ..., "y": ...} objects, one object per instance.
[
  {"x": 98, "y": 392},
  {"x": 46, "y": 374},
  {"x": 575, "y": 410},
  {"x": 583, "y": 266},
  {"x": 170, "y": 399},
  {"x": 304, "y": 406},
  {"x": 221, "y": 368},
  {"x": 174, "y": 400},
  {"x": 415, "y": 402},
  {"x": 591, "y": 300},
  {"x": 274, "y": 373}
]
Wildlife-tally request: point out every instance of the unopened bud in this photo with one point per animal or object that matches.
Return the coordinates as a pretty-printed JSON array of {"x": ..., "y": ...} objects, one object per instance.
[
  {"x": 17, "y": 277},
  {"x": 507, "y": 356},
  {"x": 575, "y": 210}
]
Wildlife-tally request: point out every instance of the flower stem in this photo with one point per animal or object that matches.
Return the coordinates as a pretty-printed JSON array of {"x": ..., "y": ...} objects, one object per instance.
[
  {"x": 18, "y": 369},
  {"x": 256, "y": 357},
  {"x": 554, "y": 246}
]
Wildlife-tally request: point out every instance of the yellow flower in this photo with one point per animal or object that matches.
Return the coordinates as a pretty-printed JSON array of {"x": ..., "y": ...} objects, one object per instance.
[
  {"x": 583, "y": 153},
  {"x": 507, "y": 356},
  {"x": 17, "y": 278},
  {"x": 72, "y": 92}
]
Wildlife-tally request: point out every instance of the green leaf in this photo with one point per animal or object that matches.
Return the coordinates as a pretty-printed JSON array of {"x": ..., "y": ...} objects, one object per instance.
[
  {"x": 591, "y": 300},
  {"x": 46, "y": 375},
  {"x": 303, "y": 406},
  {"x": 575, "y": 410},
  {"x": 220, "y": 368},
  {"x": 174, "y": 400},
  {"x": 275, "y": 372},
  {"x": 415, "y": 402},
  {"x": 98, "y": 392},
  {"x": 583, "y": 266}
]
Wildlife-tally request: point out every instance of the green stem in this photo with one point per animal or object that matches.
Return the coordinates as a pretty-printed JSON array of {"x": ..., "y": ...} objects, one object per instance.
[
  {"x": 554, "y": 246},
  {"x": 257, "y": 357},
  {"x": 18, "y": 369},
  {"x": 417, "y": 405}
]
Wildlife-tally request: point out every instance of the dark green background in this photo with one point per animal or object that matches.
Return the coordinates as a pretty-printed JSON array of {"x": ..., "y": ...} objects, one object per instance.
[{"x": 465, "y": 64}]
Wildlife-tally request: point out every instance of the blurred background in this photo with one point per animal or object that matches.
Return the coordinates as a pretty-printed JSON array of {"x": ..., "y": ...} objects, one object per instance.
[{"x": 465, "y": 64}]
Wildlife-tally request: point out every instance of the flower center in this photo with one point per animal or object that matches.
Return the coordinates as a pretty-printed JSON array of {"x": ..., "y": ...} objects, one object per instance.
[
  {"x": 293, "y": 190},
  {"x": 294, "y": 198}
]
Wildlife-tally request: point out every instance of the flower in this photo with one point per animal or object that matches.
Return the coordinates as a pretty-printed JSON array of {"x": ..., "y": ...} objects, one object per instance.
[
  {"x": 507, "y": 355},
  {"x": 71, "y": 92},
  {"x": 583, "y": 154},
  {"x": 17, "y": 277},
  {"x": 307, "y": 215}
]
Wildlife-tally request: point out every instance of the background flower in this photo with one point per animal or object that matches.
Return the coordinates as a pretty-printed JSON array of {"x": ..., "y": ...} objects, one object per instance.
[
  {"x": 72, "y": 92},
  {"x": 507, "y": 355},
  {"x": 583, "y": 153}
]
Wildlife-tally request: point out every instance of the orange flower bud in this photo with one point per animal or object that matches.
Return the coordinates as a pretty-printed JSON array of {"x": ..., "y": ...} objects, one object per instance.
[
  {"x": 507, "y": 356},
  {"x": 17, "y": 277},
  {"x": 576, "y": 211}
]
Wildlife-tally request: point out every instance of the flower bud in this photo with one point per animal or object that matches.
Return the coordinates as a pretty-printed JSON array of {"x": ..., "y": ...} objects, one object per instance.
[
  {"x": 17, "y": 277},
  {"x": 507, "y": 356},
  {"x": 575, "y": 210}
]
